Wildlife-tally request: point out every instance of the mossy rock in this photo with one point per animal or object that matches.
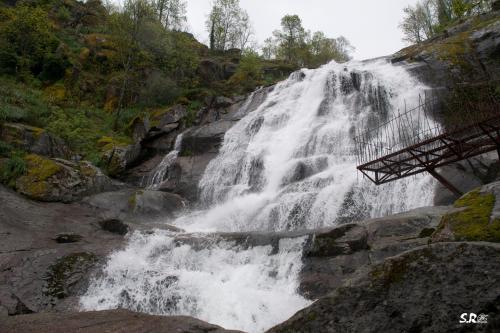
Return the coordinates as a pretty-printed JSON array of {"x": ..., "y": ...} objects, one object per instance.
[
  {"x": 35, "y": 183},
  {"x": 471, "y": 222},
  {"x": 67, "y": 272}
]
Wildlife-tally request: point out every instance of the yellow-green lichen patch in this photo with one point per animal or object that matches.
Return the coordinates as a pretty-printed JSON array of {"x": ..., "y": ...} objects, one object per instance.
[
  {"x": 35, "y": 183},
  {"x": 472, "y": 223},
  {"x": 39, "y": 168}
]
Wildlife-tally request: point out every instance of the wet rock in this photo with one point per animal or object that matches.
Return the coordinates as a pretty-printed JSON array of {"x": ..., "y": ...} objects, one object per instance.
[
  {"x": 67, "y": 272},
  {"x": 112, "y": 321},
  {"x": 139, "y": 128},
  {"x": 422, "y": 290},
  {"x": 118, "y": 158},
  {"x": 466, "y": 176},
  {"x": 30, "y": 256},
  {"x": 336, "y": 255},
  {"x": 222, "y": 102},
  {"x": 204, "y": 139},
  {"x": 53, "y": 180},
  {"x": 130, "y": 204},
  {"x": 34, "y": 140},
  {"x": 114, "y": 226}
]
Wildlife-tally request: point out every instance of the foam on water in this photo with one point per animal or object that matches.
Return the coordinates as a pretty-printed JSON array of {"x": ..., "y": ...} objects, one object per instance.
[{"x": 287, "y": 165}]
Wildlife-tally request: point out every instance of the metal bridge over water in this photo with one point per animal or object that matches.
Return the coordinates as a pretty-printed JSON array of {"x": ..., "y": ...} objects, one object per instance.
[{"x": 415, "y": 141}]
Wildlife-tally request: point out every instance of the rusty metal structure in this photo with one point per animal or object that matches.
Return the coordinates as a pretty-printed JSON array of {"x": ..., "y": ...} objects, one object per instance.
[{"x": 415, "y": 141}]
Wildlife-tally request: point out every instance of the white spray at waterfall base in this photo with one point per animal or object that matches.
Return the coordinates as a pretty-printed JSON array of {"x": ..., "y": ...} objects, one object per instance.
[{"x": 288, "y": 165}]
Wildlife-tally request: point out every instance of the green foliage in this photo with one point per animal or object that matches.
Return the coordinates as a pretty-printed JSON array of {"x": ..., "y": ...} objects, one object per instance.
[
  {"x": 12, "y": 168},
  {"x": 25, "y": 39},
  {"x": 297, "y": 46},
  {"x": 5, "y": 149},
  {"x": 430, "y": 17},
  {"x": 249, "y": 73},
  {"x": 20, "y": 102}
]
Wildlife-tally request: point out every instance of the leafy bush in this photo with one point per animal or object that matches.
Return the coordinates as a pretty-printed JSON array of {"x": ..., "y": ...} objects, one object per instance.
[
  {"x": 5, "y": 149},
  {"x": 11, "y": 169}
]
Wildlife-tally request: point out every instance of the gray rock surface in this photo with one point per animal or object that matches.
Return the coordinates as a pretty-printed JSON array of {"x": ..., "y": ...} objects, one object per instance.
[
  {"x": 34, "y": 140},
  {"x": 115, "y": 321},
  {"x": 423, "y": 290},
  {"x": 336, "y": 255},
  {"x": 49, "y": 250},
  {"x": 466, "y": 176},
  {"x": 58, "y": 180},
  {"x": 37, "y": 271},
  {"x": 132, "y": 204}
]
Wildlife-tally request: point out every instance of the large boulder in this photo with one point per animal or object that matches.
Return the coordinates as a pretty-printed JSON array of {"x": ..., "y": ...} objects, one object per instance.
[
  {"x": 34, "y": 140},
  {"x": 133, "y": 204},
  {"x": 335, "y": 255},
  {"x": 422, "y": 290},
  {"x": 476, "y": 217},
  {"x": 112, "y": 321},
  {"x": 54, "y": 180},
  {"x": 117, "y": 158}
]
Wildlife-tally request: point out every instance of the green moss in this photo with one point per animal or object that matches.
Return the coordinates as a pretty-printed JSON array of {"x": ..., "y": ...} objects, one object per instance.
[
  {"x": 472, "y": 223},
  {"x": 39, "y": 168},
  {"x": 59, "y": 273}
]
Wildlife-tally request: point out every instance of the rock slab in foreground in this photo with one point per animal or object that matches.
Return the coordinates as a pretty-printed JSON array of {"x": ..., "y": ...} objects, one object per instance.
[
  {"x": 422, "y": 290},
  {"x": 115, "y": 321}
]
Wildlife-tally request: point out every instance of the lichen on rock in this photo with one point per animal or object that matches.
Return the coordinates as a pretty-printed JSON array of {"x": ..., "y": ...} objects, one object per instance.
[{"x": 471, "y": 221}]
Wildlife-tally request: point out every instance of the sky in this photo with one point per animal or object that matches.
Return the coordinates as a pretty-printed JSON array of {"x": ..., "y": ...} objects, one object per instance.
[{"x": 370, "y": 25}]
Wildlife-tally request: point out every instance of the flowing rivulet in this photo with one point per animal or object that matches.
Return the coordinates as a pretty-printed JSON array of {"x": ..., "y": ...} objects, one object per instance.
[{"x": 288, "y": 165}]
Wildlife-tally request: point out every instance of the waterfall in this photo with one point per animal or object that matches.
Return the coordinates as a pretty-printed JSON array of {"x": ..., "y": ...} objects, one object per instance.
[
  {"x": 287, "y": 165},
  {"x": 160, "y": 173}
]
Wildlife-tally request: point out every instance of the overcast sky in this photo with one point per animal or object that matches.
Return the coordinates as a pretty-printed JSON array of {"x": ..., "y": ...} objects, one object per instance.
[{"x": 370, "y": 25}]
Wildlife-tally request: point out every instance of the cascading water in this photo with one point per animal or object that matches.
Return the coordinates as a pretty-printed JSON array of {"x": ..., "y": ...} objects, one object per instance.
[
  {"x": 160, "y": 174},
  {"x": 287, "y": 165}
]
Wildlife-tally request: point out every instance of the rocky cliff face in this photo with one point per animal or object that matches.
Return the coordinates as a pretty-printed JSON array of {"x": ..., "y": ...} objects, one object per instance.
[{"x": 414, "y": 272}]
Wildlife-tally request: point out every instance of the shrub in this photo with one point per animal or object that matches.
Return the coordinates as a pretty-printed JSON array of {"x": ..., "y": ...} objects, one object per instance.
[{"x": 11, "y": 169}]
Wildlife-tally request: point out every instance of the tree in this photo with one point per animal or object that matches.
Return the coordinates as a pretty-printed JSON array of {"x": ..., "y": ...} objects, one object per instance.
[
  {"x": 127, "y": 27},
  {"x": 429, "y": 17},
  {"x": 291, "y": 37},
  {"x": 228, "y": 25},
  {"x": 269, "y": 49},
  {"x": 25, "y": 40},
  {"x": 171, "y": 13}
]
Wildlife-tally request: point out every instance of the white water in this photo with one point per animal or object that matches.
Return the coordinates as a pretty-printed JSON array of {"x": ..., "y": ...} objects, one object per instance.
[
  {"x": 160, "y": 174},
  {"x": 288, "y": 165}
]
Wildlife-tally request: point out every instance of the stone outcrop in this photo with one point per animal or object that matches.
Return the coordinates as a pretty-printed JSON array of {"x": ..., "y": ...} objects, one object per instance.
[
  {"x": 34, "y": 140},
  {"x": 200, "y": 142},
  {"x": 412, "y": 272},
  {"x": 49, "y": 250},
  {"x": 467, "y": 52},
  {"x": 131, "y": 204},
  {"x": 336, "y": 255},
  {"x": 115, "y": 321},
  {"x": 423, "y": 290},
  {"x": 54, "y": 180}
]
